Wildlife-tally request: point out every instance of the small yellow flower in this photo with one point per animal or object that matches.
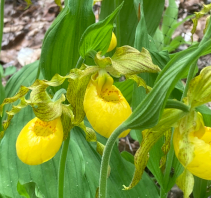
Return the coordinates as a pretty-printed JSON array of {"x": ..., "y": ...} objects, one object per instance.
[
  {"x": 113, "y": 42},
  {"x": 105, "y": 106},
  {"x": 39, "y": 141},
  {"x": 200, "y": 165}
]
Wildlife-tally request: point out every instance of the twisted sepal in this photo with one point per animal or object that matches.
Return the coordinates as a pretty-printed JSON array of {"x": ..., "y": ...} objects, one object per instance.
[
  {"x": 200, "y": 88},
  {"x": 150, "y": 137},
  {"x": 76, "y": 91},
  {"x": 166, "y": 147},
  {"x": 198, "y": 15},
  {"x": 185, "y": 182}
]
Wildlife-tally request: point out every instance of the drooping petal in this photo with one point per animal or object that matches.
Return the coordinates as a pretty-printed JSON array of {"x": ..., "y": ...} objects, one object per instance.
[
  {"x": 129, "y": 61},
  {"x": 105, "y": 106},
  {"x": 150, "y": 137},
  {"x": 39, "y": 141},
  {"x": 185, "y": 182}
]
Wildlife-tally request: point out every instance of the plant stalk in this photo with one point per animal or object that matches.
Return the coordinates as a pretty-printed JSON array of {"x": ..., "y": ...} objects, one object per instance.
[
  {"x": 79, "y": 63},
  {"x": 190, "y": 77},
  {"x": 1, "y": 21},
  {"x": 177, "y": 105},
  {"x": 62, "y": 164},
  {"x": 106, "y": 158}
]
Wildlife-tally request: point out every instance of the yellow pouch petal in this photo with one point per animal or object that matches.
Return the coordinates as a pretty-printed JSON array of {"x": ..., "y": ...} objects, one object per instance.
[
  {"x": 105, "y": 106},
  {"x": 39, "y": 141},
  {"x": 200, "y": 164}
]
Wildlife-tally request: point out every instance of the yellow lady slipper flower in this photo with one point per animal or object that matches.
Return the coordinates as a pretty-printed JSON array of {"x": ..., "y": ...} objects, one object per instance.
[
  {"x": 200, "y": 164},
  {"x": 105, "y": 106},
  {"x": 39, "y": 141},
  {"x": 113, "y": 42}
]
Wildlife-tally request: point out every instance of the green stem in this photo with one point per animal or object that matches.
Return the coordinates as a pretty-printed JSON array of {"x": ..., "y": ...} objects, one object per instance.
[
  {"x": 79, "y": 63},
  {"x": 1, "y": 21},
  {"x": 177, "y": 105},
  {"x": 163, "y": 194},
  {"x": 105, "y": 160},
  {"x": 62, "y": 167},
  {"x": 190, "y": 77}
]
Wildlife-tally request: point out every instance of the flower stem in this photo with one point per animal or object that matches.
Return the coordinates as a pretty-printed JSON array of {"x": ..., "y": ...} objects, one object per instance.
[
  {"x": 106, "y": 158},
  {"x": 190, "y": 77},
  {"x": 62, "y": 167},
  {"x": 79, "y": 63},
  {"x": 177, "y": 105}
]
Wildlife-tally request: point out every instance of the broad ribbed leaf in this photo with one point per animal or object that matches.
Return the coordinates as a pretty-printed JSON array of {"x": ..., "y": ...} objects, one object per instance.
[
  {"x": 200, "y": 187},
  {"x": 206, "y": 113},
  {"x": 153, "y": 11},
  {"x": 2, "y": 96},
  {"x": 61, "y": 42},
  {"x": 125, "y": 23},
  {"x": 97, "y": 37},
  {"x": 169, "y": 20}
]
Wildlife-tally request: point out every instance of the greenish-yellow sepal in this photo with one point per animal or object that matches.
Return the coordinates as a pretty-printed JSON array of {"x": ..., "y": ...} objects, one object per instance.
[
  {"x": 140, "y": 81},
  {"x": 150, "y": 137},
  {"x": 128, "y": 61},
  {"x": 67, "y": 118},
  {"x": 198, "y": 15},
  {"x": 188, "y": 124},
  {"x": 22, "y": 92},
  {"x": 142, "y": 155},
  {"x": 58, "y": 2},
  {"x": 75, "y": 94},
  {"x": 206, "y": 25},
  {"x": 185, "y": 182},
  {"x": 200, "y": 88},
  {"x": 102, "y": 62},
  {"x": 28, "y": 3},
  {"x": 48, "y": 111},
  {"x": 15, "y": 109},
  {"x": 90, "y": 133},
  {"x": 166, "y": 147}
]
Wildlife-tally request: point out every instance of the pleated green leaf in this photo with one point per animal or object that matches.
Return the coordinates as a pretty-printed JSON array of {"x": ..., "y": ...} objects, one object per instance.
[
  {"x": 125, "y": 22},
  {"x": 200, "y": 187},
  {"x": 169, "y": 20},
  {"x": 97, "y": 37},
  {"x": 153, "y": 11},
  {"x": 60, "y": 46}
]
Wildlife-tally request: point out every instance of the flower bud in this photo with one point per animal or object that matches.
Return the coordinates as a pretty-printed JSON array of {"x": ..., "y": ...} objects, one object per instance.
[{"x": 113, "y": 42}]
